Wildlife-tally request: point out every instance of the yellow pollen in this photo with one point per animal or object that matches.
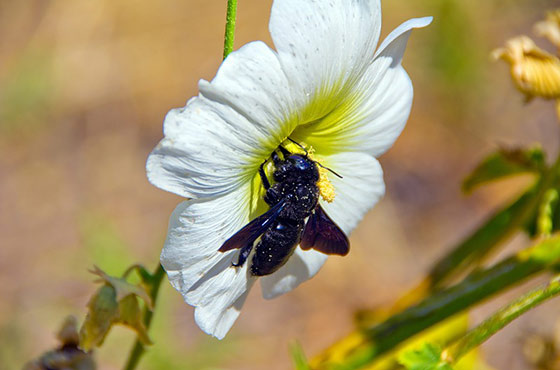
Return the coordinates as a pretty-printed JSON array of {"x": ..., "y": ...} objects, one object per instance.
[{"x": 326, "y": 188}]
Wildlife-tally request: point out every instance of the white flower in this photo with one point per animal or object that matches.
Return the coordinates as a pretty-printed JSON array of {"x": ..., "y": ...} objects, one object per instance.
[{"x": 325, "y": 86}]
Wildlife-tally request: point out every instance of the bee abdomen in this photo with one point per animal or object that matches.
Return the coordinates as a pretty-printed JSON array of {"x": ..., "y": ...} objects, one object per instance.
[{"x": 275, "y": 247}]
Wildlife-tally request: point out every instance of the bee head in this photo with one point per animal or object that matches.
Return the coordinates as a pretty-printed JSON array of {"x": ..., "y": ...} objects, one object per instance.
[
  {"x": 301, "y": 163},
  {"x": 297, "y": 167}
]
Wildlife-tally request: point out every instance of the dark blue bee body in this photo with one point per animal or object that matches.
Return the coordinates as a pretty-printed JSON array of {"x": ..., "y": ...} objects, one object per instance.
[{"x": 293, "y": 198}]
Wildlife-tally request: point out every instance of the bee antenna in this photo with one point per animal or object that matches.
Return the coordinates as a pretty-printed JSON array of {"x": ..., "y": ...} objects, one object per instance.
[
  {"x": 298, "y": 144},
  {"x": 328, "y": 169}
]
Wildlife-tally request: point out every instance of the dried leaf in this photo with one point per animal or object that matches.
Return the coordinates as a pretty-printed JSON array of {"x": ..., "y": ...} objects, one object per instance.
[
  {"x": 131, "y": 315},
  {"x": 103, "y": 311},
  {"x": 123, "y": 288},
  {"x": 116, "y": 302},
  {"x": 67, "y": 356}
]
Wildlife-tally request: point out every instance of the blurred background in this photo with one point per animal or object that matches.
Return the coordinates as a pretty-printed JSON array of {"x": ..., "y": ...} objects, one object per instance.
[{"x": 84, "y": 87}]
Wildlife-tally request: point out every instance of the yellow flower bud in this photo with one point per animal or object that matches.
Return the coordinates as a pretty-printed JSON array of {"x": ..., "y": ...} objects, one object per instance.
[{"x": 535, "y": 72}]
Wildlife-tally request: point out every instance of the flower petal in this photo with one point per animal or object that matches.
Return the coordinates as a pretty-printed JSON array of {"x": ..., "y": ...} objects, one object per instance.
[
  {"x": 324, "y": 46},
  {"x": 376, "y": 110},
  {"x": 252, "y": 82},
  {"x": 195, "y": 159},
  {"x": 359, "y": 189},
  {"x": 356, "y": 193},
  {"x": 220, "y": 138},
  {"x": 204, "y": 276},
  {"x": 395, "y": 43},
  {"x": 301, "y": 266}
]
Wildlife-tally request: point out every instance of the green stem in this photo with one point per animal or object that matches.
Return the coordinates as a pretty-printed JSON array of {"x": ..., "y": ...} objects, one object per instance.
[
  {"x": 500, "y": 319},
  {"x": 376, "y": 340},
  {"x": 230, "y": 27},
  {"x": 138, "y": 349}
]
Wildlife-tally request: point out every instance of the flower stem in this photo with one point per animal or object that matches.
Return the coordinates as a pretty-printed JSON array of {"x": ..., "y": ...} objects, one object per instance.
[
  {"x": 138, "y": 349},
  {"x": 360, "y": 348},
  {"x": 230, "y": 27},
  {"x": 500, "y": 319}
]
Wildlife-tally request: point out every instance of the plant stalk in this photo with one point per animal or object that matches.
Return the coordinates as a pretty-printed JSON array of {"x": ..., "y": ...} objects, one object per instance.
[
  {"x": 138, "y": 349},
  {"x": 230, "y": 27},
  {"x": 499, "y": 320}
]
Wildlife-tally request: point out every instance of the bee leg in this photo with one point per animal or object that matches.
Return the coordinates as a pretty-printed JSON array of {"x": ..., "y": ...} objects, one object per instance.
[
  {"x": 272, "y": 196},
  {"x": 243, "y": 255},
  {"x": 276, "y": 159},
  {"x": 285, "y": 152},
  {"x": 264, "y": 179}
]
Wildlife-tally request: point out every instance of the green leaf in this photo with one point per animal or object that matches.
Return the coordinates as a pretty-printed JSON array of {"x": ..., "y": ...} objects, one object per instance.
[
  {"x": 505, "y": 162},
  {"x": 427, "y": 357}
]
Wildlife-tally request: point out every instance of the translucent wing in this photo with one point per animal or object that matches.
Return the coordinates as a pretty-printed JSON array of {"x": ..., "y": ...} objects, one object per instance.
[
  {"x": 323, "y": 235},
  {"x": 250, "y": 232}
]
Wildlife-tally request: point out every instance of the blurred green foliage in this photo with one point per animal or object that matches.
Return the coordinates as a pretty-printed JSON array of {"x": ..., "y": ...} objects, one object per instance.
[
  {"x": 456, "y": 52},
  {"x": 503, "y": 163},
  {"x": 298, "y": 357},
  {"x": 103, "y": 243},
  {"x": 26, "y": 92},
  {"x": 427, "y": 357}
]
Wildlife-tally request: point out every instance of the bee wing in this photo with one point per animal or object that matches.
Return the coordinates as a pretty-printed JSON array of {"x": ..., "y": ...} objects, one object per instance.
[
  {"x": 250, "y": 232},
  {"x": 323, "y": 235}
]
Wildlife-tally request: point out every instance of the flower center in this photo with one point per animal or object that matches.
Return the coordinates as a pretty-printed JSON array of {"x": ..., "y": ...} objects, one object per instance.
[{"x": 326, "y": 188}]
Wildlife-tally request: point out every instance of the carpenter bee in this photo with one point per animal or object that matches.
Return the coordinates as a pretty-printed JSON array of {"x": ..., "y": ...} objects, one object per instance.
[{"x": 295, "y": 217}]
